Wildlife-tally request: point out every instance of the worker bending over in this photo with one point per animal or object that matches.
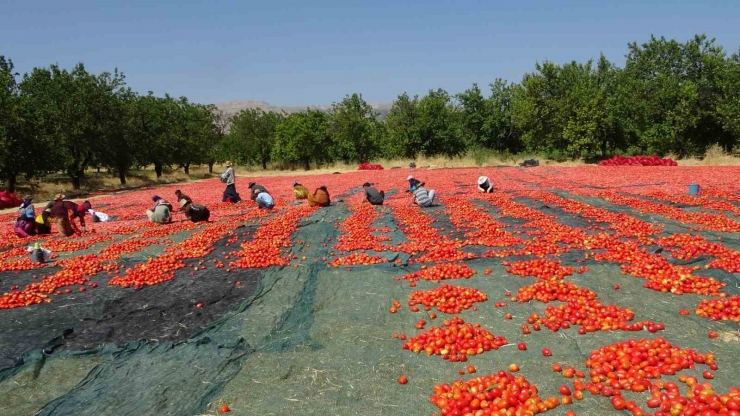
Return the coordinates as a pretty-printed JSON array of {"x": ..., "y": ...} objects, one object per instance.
[
  {"x": 300, "y": 191},
  {"x": 485, "y": 185},
  {"x": 320, "y": 197},
  {"x": 423, "y": 198},
  {"x": 373, "y": 196}
]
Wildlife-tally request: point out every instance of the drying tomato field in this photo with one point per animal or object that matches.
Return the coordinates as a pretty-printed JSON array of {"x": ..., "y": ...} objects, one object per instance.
[{"x": 596, "y": 290}]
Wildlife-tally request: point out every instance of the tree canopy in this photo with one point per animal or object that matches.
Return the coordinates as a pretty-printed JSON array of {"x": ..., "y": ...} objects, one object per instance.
[{"x": 667, "y": 97}]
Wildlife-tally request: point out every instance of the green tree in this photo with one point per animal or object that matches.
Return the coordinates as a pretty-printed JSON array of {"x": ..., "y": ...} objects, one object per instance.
[
  {"x": 120, "y": 142},
  {"x": 564, "y": 110},
  {"x": 487, "y": 122},
  {"x": 302, "y": 139},
  {"x": 221, "y": 125},
  {"x": 73, "y": 107},
  {"x": 728, "y": 108},
  {"x": 669, "y": 94},
  {"x": 155, "y": 121},
  {"x": 439, "y": 126},
  {"x": 195, "y": 133},
  {"x": 402, "y": 138},
  {"x": 353, "y": 130},
  {"x": 252, "y": 136},
  {"x": 474, "y": 113},
  {"x": 15, "y": 153}
]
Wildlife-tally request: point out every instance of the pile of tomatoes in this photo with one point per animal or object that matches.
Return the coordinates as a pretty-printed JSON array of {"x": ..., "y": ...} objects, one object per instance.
[
  {"x": 357, "y": 259},
  {"x": 720, "y": 309},
  {"x": 548, "y": 291},
  {"x": 455, "y": 340},
  {"x": 439, "y": 272},
  {"x": 493, "y": 394},
  {"x": 446, "y": 298},
  {"x": 540, "y": 268}
]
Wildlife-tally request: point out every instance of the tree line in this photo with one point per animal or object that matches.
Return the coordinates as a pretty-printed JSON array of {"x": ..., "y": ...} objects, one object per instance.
[
  {"x": 668, "y": 97},
  {"x": 58, "y": 120}
]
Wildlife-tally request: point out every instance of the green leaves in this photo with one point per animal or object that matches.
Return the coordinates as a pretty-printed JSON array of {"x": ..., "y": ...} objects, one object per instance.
[
  {"x": 353, "y": 129},
  {"x": 669, "y": 97},
  {"x": 302, "y": 138},
  {"x": 252, "y": 136}
]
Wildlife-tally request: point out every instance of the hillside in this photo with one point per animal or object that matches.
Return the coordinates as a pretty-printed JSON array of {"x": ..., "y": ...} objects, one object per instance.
[{"x": 233, "y": 107}]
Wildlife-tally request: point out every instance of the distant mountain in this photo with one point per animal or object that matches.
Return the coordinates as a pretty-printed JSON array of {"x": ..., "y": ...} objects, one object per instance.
[{"x": 233, "y": 107}]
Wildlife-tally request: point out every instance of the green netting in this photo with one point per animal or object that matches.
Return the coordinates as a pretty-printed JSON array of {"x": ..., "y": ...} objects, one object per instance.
[{"x": 316, "y": 340}]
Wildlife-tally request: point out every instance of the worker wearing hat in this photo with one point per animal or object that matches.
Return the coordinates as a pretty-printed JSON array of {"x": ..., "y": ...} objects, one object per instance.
[
  {"x": 64, "y": 214},
  {"x": 300, "y": 191},
  {"x": 255, "y": 190},
  {"x": 229, "y": 178},
  {"x": 485, "y": 185},
  {"x": 194, "y": 212},
  {"x": 413, "y": 183}
]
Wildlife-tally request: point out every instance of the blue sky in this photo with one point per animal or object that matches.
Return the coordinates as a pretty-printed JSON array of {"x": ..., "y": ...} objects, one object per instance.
[{"x": 315, "y": 52}]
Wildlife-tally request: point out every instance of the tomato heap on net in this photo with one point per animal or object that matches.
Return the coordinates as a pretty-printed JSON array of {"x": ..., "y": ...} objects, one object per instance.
[
  {"x": 638, "y": 365},
  {"x": 493, "y": 394},
  {"x": 455, "y": 340},
  {"x": 720, "y": 309},
  {"x": 446, "y": 298},
  {"x": 539, "y": 268},
  {"x": 440, "y": 272}
]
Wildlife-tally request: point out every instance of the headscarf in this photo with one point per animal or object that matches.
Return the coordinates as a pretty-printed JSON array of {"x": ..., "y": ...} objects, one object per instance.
[{"x": 27, "y": 201}]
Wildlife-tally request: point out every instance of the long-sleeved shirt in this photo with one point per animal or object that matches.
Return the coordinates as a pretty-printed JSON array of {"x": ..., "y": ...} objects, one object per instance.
[
  {"x": 162, "y": 201},
  {"x": 485, "y": 186},
  {"x": 320, "y": 197},
  {"x": 256, "y": 189},
  {"x": 414, "y": 184},
  {"x": 61, "y": 209},
  {"x": 27, "y": 213},
  {"x": 185, "y": 197},
  {"x": 373, "y": 196},
  {"x": 197, "y": 212},
  {"x": 421, "y": 197},
  {"x": 265, "y": 198},
  {"x": 230, "y": 177},
  {"x": 300, "y": 192}
]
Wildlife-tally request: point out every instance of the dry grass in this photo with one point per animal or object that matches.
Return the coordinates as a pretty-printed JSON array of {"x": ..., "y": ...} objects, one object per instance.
[
  {"x": 95, "y": 182},
  {"x": 421, "y": 162},
  {"x": 715, "y": 156},
  {"x": 102, "y": 182}
]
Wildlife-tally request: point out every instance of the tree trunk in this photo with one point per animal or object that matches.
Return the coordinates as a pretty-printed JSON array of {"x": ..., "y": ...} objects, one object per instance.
[
  {"x": 306, "y": 164},
  {"x": 158, "y": 169},
  {"x": 77, "y": 181},
  {"x": 122, "y": 176},
  {"x": 264, "y": 165},
  {"x": 12, "y": 181},
  {"x": 187, "y": 168},
  {"x": 98, "y": 168},
  {"x": 210, "y": 167}
]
